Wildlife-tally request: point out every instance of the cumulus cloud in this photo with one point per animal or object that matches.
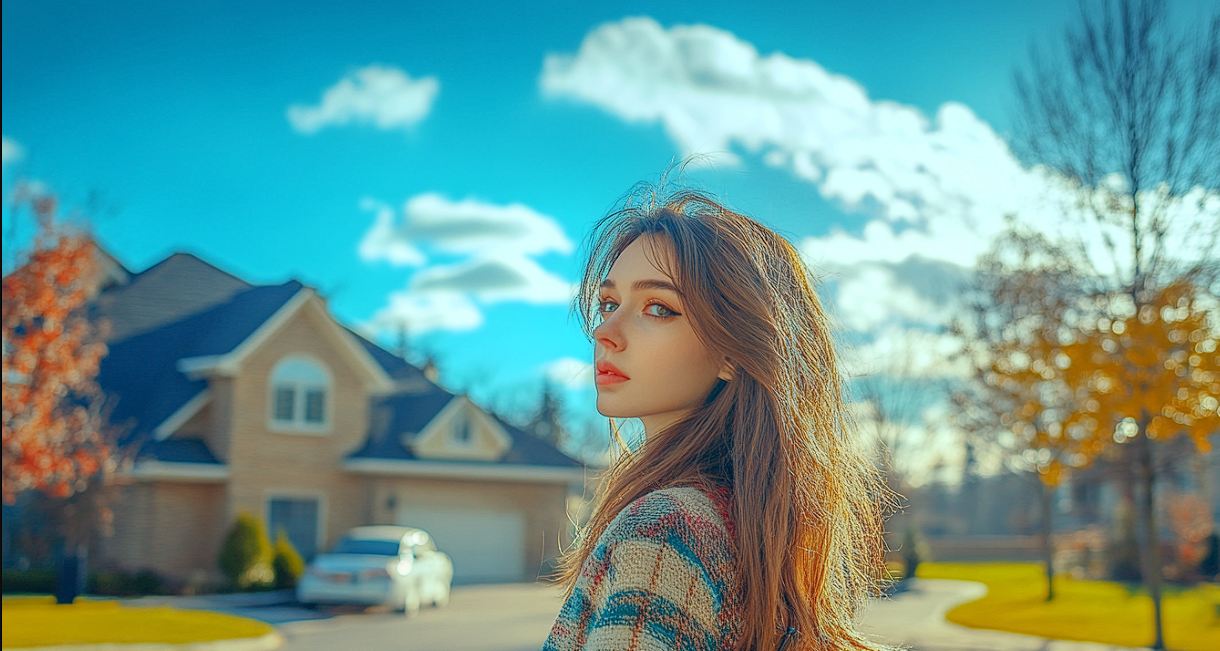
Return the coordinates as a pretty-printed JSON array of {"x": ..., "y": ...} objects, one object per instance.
[
  {"x": 383, "y": 96},
  {"x": 423, "y": 312},
  {"x": 938, "y": 187},
  {"x": 495, "y": 279},
  {"x": 12, "y": 151},
  {"x": 496, "y": 245},
  {"x": 569, "y": 372}
]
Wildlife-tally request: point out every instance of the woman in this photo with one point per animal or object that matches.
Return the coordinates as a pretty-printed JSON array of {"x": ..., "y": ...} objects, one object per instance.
[{"x": 749, "y": 518}]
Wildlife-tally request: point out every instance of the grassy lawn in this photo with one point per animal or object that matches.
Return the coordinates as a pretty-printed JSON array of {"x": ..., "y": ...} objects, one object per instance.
[
  {"x": 1093, "y": 611},
  {"x": 38, "y": 621}
]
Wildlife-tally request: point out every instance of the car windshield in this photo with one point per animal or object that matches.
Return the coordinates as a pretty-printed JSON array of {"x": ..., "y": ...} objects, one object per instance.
[{"x": 372, "y": 547}]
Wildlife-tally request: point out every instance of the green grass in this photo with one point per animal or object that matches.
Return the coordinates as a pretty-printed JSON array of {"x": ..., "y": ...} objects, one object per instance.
[
  {"x": 38, "y": 621},
  {"x": 1092, "y": 611}
]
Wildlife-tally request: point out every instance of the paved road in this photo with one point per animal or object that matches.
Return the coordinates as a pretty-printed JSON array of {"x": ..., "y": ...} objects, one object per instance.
[
  {"x": 916, "y": 618},
  {"x": 517, "y": 617},
  {"x": 513, "y": 617}
]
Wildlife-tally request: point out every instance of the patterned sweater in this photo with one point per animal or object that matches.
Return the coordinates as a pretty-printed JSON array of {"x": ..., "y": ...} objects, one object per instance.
[{"x": 661, "y": 577}]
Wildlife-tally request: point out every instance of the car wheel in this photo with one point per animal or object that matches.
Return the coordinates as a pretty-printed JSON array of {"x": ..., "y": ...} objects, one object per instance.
[
  {"x": 442, "y": 595},
  {"x": 410, "y": 606}
]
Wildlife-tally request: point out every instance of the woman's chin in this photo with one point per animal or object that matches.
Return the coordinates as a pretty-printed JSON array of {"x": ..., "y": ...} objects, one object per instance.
[{"x": 608, "y": 409}]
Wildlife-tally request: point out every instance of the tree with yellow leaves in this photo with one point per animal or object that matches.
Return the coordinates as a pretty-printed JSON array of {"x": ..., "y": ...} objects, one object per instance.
[{"x": 1025, "y": 295}]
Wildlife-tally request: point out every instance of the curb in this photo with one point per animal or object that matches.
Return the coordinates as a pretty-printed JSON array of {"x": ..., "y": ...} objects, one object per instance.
[{"x": 266, "y": 642}]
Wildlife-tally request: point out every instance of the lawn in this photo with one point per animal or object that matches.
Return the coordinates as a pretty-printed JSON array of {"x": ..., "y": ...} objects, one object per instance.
[
  {"x": 1093, "y": 611},
  {"x": 38, "y": 621}
]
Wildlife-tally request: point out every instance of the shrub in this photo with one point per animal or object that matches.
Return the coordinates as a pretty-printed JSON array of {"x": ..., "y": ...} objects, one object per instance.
[
  {"x": 124, "y": 584},
  {"x": 914, "y": 551},
  {"x": 39, "y": 581},
  {"x": 287, "y": 563},
  {"x": 245, "y": 556}
]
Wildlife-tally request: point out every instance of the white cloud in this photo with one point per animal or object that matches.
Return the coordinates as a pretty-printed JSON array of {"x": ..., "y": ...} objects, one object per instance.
[
  {"x": 947, "y": 182},
  {"x": 423, "y": 312},
  {"x": 569, "y": 372},
  {"x": 468, "y": 226},
  {"x": 386, "y": 97},
  {"x": 12, "y": 151},
  {"x": 908, "y": 354},
  {"x": 496, "y": 279},
  {"x": 383, "y": 242},
  {"x": 870, "y": 296},
  {"x": 496, "y": 244}
]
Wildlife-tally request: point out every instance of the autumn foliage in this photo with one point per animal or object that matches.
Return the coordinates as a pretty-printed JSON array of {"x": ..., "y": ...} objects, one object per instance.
[{"x": 54, "y": 429}]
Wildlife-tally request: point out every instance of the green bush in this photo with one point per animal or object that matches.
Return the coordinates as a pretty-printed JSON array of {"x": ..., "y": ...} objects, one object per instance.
[
  {"x": 287, "y": 563},
  {"x": 124, "y": 584},
  {"x": 245, "y": 556},
  {"x": 38, "y": 581},
  {"x": 914, "y": 551}
]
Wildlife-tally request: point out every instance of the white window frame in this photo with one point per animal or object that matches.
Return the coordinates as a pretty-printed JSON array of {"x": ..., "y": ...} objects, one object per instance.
[{"x": 298, "y": 424}]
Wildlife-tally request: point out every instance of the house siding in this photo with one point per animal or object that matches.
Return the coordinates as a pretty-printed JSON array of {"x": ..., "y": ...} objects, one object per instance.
[
  {"x": 172, "y": 529},
  {"x": 266, "y": 463}
]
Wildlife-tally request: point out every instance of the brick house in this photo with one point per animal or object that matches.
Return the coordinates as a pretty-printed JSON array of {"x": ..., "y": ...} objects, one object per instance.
[{"x": 245, "y": 398}]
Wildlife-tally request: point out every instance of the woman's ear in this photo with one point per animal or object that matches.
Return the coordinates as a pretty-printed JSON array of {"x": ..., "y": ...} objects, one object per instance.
[{"x": 726, "y": 371}]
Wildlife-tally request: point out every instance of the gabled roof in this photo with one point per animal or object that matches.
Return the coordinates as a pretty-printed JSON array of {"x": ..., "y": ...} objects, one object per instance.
[
  {"x": 186, "y": 309},
  {"x": 391, "y": 417},
  {"x": 169, "y": 291},
  {"x": 143, "y": 361}
]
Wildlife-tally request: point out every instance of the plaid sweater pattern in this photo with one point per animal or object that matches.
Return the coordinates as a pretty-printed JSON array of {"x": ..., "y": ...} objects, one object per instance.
[{"x": 662, "y": 576}]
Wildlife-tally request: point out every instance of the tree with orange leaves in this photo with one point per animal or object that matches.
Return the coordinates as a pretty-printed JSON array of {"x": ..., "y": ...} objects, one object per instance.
[{"x": 54, "y": 428}]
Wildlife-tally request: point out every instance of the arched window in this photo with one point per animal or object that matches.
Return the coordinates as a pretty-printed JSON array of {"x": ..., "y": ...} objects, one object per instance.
[{"x": 300, "y": 395}]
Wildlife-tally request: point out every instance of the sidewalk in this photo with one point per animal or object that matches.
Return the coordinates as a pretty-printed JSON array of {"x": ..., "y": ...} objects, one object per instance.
[{"x": 916, "y": 618}]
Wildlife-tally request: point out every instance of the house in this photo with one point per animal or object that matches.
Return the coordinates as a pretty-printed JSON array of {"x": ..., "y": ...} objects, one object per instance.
[{"x": 253, "y": 398}]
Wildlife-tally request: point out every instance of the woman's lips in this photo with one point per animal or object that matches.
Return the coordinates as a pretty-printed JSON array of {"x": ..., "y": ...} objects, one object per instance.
[
  {"x": 608, "y": 373},
  {"x": 610, "y": 378}
]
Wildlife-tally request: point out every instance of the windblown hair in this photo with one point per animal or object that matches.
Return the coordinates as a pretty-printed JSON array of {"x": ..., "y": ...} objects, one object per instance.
[{"x": 807, "y": 498}]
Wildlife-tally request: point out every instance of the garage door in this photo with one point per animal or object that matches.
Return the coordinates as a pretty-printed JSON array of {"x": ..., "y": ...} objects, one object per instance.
[{"x": 486, "y": 546}]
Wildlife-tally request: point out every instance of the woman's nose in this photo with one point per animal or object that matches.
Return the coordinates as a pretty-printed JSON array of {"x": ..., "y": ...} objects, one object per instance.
[{"x": 608, "y": 334}]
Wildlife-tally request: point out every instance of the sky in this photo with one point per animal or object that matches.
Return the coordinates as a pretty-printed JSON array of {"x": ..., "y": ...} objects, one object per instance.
[{"x": 439, "y": 165}]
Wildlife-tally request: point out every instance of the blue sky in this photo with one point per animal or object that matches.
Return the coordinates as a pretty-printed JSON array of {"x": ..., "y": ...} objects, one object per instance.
[{"x": 859, "y": 130}]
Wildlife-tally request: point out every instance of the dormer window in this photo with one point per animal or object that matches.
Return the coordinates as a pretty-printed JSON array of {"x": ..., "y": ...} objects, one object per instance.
[{"x": 300, "y": 395}]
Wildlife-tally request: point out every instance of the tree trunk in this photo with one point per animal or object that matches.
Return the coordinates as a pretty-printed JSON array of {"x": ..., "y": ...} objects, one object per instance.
[
  {"x": 1152, "y": 553},
  {"x": 1048, "y": 548}
]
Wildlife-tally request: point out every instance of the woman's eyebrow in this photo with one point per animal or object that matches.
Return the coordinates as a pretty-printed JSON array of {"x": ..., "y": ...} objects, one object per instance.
[{"x": 647, "y": 283}]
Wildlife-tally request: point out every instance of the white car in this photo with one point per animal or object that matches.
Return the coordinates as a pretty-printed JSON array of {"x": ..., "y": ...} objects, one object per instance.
[{"x": 395, "y": 566}]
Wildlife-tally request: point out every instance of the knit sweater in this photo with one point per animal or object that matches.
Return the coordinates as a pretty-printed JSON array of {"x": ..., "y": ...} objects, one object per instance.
[{"x": 662, "y": 576}]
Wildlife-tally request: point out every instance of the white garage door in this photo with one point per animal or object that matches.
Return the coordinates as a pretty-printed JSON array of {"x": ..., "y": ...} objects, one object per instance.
[{"x": 486, "y": 546}]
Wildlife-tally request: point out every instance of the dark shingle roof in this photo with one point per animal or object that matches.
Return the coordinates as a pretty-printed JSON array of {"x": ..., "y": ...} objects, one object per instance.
[
  {"x": 397, "y": 415},
  {"x": 176, "y": 287},
  {"x": 140, "y": 373},
  {"x": 178, "y": 451},
  {"x": 184, "y": 307}
]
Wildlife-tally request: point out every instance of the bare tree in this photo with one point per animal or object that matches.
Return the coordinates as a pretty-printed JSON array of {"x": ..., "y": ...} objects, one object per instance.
[{"x": 1129, "y": 114}]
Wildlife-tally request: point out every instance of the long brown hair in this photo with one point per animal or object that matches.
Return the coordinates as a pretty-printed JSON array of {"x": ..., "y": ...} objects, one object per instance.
[{"x": 807, "y": 498}]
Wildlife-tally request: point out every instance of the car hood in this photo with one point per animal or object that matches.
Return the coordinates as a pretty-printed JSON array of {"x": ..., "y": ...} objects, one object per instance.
[{"x": 352, "y": 562}]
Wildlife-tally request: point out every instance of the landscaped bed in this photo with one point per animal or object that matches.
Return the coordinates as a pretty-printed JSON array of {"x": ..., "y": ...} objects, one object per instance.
[
  {"x": 1093, "y": 611},
  {"x": 38, "y": 621}
]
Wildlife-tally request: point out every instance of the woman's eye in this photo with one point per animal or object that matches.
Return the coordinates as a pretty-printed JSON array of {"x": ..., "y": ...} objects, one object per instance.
[
  {"x": 606, "y": 306},
  {"x": 656, "y": 309}
]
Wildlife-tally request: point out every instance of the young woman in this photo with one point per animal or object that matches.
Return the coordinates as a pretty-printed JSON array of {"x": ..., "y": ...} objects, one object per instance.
[{"x": 750, "y": 517}]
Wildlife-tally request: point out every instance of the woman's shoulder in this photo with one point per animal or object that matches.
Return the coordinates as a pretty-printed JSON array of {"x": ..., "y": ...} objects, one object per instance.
[{"x": 686, "y": 513}]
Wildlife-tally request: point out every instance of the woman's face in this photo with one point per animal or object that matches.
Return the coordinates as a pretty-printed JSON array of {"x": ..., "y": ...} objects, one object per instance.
[{"x": 650, "y": 365}]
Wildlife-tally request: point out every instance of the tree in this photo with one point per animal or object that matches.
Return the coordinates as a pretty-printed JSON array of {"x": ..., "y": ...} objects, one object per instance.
[
  {"x": 1128, "y": 117},
  {"x": 55, "y": 435},
  {"x": 1025, "y": 295}
]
